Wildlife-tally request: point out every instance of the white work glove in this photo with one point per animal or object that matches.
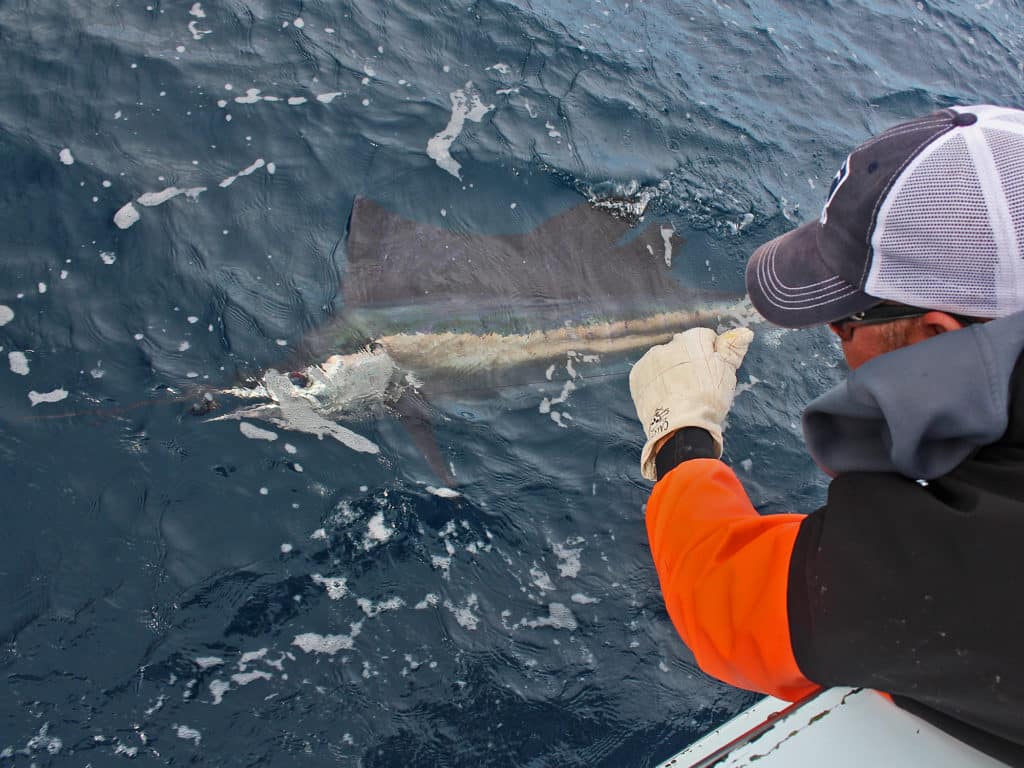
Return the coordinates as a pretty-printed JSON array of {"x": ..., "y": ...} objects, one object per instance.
[{"x": 689, "y": 382}]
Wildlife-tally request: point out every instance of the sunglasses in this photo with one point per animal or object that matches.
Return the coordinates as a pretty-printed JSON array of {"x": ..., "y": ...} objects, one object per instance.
[{"x": 886, "y": 313}]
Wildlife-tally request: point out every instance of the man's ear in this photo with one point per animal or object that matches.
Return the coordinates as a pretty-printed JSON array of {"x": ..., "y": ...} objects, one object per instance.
[{"x": 934, "y": 323}]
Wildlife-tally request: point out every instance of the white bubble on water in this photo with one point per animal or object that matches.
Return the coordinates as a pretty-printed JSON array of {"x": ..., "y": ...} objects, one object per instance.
[
  {"x": 6, "y": 314},
  {"x": 126, "y": 216},
  {"x": 568, "y": 558},
  {"x": 188, "y": 734},
  {"x": 43, "y": 740},
  {"x": 311, "y": 642},
  {"x": 466, "y": 105},
  {"x": 197, "y": 33},
  {"x": 218, "y": 688},
  {"x": 66, "y": 157},
  {"x": 541, "y": 580},
  {"x": 377, "y": 531},
  {"x": 444, "y": 493},
  {"x": 666, "y": 238},
  {"x": 252, "y": 95},
  {"x": 244, "y": 678},
  {"x": 54, "y": 396},
  {"x": 429, "y": 601},
  {"x": 249, "y": 657},
  {"x": 336, "y": 586},
  {"x": 18, "y": 363},
  {"x": 255, "y": 433},
  {"x": 257, "y": 164},
  {"x": 372, "y": 609},
  {"x": 464, "y": 613}
]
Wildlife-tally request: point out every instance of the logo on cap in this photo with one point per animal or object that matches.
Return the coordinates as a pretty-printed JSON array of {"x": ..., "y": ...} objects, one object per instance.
[{"x": 840, "y": 178}]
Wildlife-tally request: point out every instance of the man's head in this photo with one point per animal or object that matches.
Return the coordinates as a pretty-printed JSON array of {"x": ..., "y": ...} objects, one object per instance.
[
  {"x": 927, "y": 216},
  {"x": 890, "y": 326}
]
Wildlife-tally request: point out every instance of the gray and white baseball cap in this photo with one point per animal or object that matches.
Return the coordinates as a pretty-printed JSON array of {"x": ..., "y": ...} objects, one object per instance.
[{"x": 928, "y": 213}]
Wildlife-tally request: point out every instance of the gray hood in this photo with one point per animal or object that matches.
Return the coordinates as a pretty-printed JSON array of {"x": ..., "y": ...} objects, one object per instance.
[{"x": 920, "y": 410}]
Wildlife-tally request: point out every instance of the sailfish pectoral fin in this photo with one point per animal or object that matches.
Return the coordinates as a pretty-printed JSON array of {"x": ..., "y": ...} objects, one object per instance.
[{"x": 416, "y": 418}]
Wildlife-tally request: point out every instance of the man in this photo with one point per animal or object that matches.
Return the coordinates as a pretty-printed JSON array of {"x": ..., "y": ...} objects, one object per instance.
[{"x": 908, "y": 579}]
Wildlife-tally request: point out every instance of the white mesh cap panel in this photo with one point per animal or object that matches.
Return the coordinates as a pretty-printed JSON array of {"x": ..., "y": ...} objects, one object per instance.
[
  {"x": 950, "y": 234},
  {"x": 1007, "y": 149},
  {"x": 933, "y": 243}
]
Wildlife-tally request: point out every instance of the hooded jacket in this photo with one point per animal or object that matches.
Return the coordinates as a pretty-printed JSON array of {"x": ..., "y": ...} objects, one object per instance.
[{"x": 907, "y": 579}]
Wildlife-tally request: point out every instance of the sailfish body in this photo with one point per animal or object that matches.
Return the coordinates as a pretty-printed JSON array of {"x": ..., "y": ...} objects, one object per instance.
[{"x": 428, "y": 310}]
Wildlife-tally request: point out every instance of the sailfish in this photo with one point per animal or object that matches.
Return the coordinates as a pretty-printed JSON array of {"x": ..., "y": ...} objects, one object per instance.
[{"x": 431, "y": 311}]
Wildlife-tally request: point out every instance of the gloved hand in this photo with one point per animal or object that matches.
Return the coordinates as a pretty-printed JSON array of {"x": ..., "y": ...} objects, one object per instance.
[{"x": 689, "y": 382}]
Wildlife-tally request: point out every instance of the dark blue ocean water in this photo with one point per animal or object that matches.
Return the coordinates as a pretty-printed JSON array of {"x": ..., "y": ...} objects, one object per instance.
[{"x": 173, "y": 592}]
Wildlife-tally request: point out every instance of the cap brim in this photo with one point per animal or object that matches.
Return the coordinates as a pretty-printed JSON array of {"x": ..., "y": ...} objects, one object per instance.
[{"x": 790, "y": 284}]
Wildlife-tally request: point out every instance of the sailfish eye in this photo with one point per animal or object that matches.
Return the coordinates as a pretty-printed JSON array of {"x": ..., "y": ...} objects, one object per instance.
[{"x": 298, "y": 379}]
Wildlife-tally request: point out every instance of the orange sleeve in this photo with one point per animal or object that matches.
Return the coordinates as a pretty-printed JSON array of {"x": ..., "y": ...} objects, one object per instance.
[{"x": 724, "y": 571}]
